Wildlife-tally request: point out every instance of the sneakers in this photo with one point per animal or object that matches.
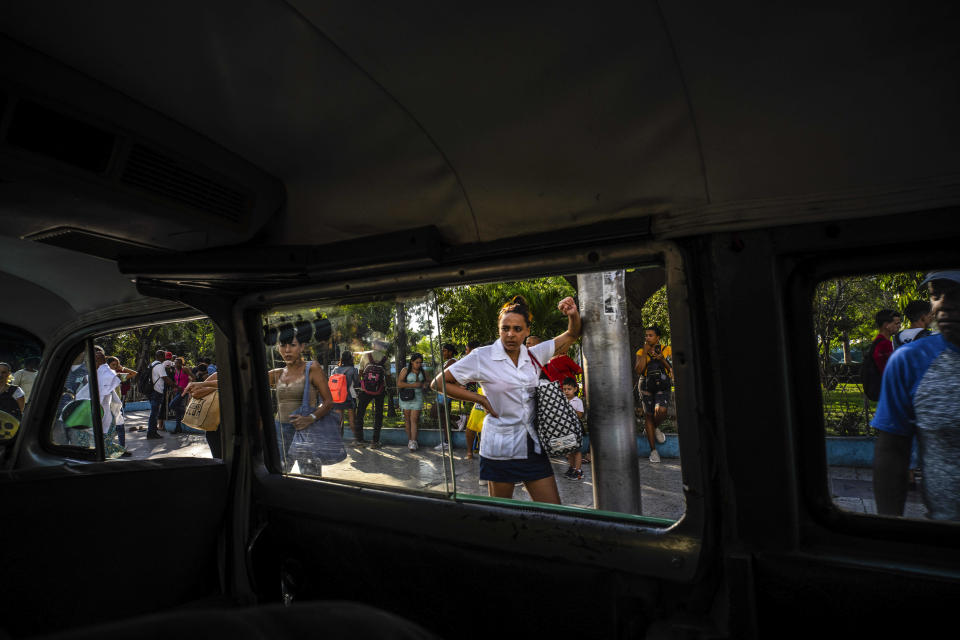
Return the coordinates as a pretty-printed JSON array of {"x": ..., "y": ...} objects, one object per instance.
[
  {"x": 376, "y": 444},
  {"x": 570, "y": 473},
  {"x": 412, "y": 445},
  {"x": 577, "y": 474},
  {"x": 654, "y": 456},
  {"x": 483, "y": 482},
  {"x": 358, "y": 443},
  {"x": 440, "y": 447},
  {"x": 659, "y": 435}
]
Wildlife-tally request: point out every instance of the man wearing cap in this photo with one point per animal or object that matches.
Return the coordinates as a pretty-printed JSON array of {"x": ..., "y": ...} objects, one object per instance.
[{"x": 920, "y": 396}]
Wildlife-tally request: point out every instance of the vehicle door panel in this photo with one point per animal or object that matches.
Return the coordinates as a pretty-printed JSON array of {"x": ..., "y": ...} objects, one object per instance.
[{"x": 88, "y": 543}]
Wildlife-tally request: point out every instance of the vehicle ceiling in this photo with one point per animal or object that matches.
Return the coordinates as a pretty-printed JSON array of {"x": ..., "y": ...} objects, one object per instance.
[{"x": 491, "y": 121}]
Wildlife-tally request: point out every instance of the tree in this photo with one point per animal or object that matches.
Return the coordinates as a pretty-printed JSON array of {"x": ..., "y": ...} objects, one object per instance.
[
  {"x": 844, "y": 310},
  {"x": 655, "y": 312},
  {"x": 470, "y": 312}
]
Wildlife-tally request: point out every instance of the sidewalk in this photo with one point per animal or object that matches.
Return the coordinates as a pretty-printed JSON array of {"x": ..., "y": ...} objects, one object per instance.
[
  {"x": 428, "y": 469},
  {"x": 851, "y": 489},
  {"x": 178, "y": 445}
]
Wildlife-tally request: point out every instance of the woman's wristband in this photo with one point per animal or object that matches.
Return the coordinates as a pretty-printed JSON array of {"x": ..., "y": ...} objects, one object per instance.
[{"x": 315, "y": 418}]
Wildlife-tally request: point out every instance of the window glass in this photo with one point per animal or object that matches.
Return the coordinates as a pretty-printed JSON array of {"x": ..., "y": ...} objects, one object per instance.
[
  {"x": 144, "y": 378},
  {"x": 19, "y": 363},
  {"x": 633, "y": 357},
  {"x": 428, "y": 428},
  {"x": 72, "y": 421},
  {"x": 889, "y": 369},
  {"x": 368, "y": 414}
]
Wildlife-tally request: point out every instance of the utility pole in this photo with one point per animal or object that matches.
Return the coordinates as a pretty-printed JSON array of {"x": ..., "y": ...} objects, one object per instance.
[{"x": 609, "y": 375}]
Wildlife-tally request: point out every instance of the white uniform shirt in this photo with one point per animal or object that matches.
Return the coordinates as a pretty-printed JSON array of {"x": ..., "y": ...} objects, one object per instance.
[
  {"x": 512, "y": 394},
  {"x": 576, "y": 403}
]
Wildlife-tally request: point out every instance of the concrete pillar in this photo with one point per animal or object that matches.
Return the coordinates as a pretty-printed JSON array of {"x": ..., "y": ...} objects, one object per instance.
[{"x": 609, "y": 375}]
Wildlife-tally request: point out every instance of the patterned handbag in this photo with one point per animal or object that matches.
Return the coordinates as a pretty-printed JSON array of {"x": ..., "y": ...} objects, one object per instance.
[{"x": 558, "y": 427}]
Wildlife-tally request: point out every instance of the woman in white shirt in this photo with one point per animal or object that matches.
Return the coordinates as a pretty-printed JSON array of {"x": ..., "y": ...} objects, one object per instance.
[{"x": 509, "y": 450}]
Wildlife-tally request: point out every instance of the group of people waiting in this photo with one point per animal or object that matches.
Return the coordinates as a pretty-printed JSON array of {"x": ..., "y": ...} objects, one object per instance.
[
  {"x": 168, "y": 391},
  {"x": 15, "y": 386},
  {"x": 510, "y": 451},
  {"x": 499, "y": 379}
]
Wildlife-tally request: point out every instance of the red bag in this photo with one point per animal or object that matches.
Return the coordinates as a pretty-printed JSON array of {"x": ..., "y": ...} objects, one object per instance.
[{"x": 338, "y": 387}]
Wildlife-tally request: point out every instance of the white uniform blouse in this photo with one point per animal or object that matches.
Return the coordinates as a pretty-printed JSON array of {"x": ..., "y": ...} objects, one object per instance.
[{"x": 512, "y": 394}]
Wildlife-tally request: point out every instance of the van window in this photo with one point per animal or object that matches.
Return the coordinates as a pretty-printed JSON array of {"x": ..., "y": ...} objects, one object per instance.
[
  {"x": 889, "y": 365},
  {"x": 348, "y": 388},
  {"x": 419, "y": 381},
  {"x": 20, "y": 359},
  {"x": 143, "y": 378}
]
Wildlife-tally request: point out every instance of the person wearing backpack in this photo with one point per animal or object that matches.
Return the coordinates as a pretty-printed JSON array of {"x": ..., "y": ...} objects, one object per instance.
[
  {"x": 350, "y": 381},
  {"x": 918, "y": 313},
  {"x": 875, "y": 359},
  {"x": 373, "y": 381},
  {"x": 653, "y": 365},
  {"x": 159, "y": 380}
]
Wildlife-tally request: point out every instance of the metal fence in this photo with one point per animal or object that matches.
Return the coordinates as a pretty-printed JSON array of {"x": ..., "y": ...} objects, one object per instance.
[{"x": 846, "y": 410}]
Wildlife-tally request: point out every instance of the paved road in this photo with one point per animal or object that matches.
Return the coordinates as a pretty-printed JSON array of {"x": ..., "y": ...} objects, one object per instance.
[{"x": 179, "y": 445}]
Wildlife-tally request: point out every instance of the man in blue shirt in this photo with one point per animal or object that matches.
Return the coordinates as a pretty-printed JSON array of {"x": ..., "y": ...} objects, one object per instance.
[{"x": 920, "y": 396}]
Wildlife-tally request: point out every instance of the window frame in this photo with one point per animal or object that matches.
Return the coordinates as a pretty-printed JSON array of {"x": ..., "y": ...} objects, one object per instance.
[
  {"x": 40, "y": 451},
  {"x": 804, "y": 272},
  {"x": 683, "y": 537}
]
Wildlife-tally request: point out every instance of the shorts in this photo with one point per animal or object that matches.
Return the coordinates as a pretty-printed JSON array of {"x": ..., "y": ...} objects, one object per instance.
[
  {"x": 652, "y": 400},
  {"x": 349, "y": 403},
  {"x": 535, "y": 466}
]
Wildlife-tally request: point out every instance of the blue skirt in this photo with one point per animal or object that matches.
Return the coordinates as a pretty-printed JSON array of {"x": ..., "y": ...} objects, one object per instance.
[{"x": 536, "y": 466}]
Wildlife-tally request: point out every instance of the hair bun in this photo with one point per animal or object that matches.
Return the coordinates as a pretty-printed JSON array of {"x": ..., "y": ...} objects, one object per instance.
[{"x": 517, "y": 304}]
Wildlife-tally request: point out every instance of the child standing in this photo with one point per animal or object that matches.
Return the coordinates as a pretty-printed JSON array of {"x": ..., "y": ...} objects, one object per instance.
[{"x": 570, "y": 388}]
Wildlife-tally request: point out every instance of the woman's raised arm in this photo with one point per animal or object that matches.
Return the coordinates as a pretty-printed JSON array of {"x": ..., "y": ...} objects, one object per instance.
[{"x": 562, "y": 342}]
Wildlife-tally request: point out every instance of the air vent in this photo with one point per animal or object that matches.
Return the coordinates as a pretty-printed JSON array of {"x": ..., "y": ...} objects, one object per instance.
[
  {"x": 46, "y": 132},
  {"x": 91, "y": 242},
  {"x": 162, "y": 175}
]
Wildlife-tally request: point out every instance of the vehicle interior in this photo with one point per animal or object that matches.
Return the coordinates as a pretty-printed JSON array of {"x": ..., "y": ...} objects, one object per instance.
[{"x": 245, "y": 165}]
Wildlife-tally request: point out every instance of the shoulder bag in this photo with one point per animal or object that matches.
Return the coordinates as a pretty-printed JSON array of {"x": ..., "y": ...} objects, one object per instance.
[
  {"x": 321, "y": 440},
  {"x": 409, "y": 393},
  {"x": 203, "y": 413},
  {"x": 558, "y": 426}
]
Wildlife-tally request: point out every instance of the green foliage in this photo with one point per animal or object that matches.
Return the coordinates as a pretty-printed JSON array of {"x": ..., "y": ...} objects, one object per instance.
[
  {"x": 844, "y": 309},
  {"x": 470, "y": 312},
  {"x": 655, "y": 312},
  {"x": 190, "y": 340}
]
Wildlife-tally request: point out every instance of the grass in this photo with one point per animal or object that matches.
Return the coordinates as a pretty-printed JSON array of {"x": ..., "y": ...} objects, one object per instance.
[{"x": 843, "y": 411}]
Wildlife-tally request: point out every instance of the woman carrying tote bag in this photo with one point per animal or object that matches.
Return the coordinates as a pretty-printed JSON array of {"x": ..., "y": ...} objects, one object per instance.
[
  {"x": 308, "y": 435},
  {"x": 510, "y": 449}
]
